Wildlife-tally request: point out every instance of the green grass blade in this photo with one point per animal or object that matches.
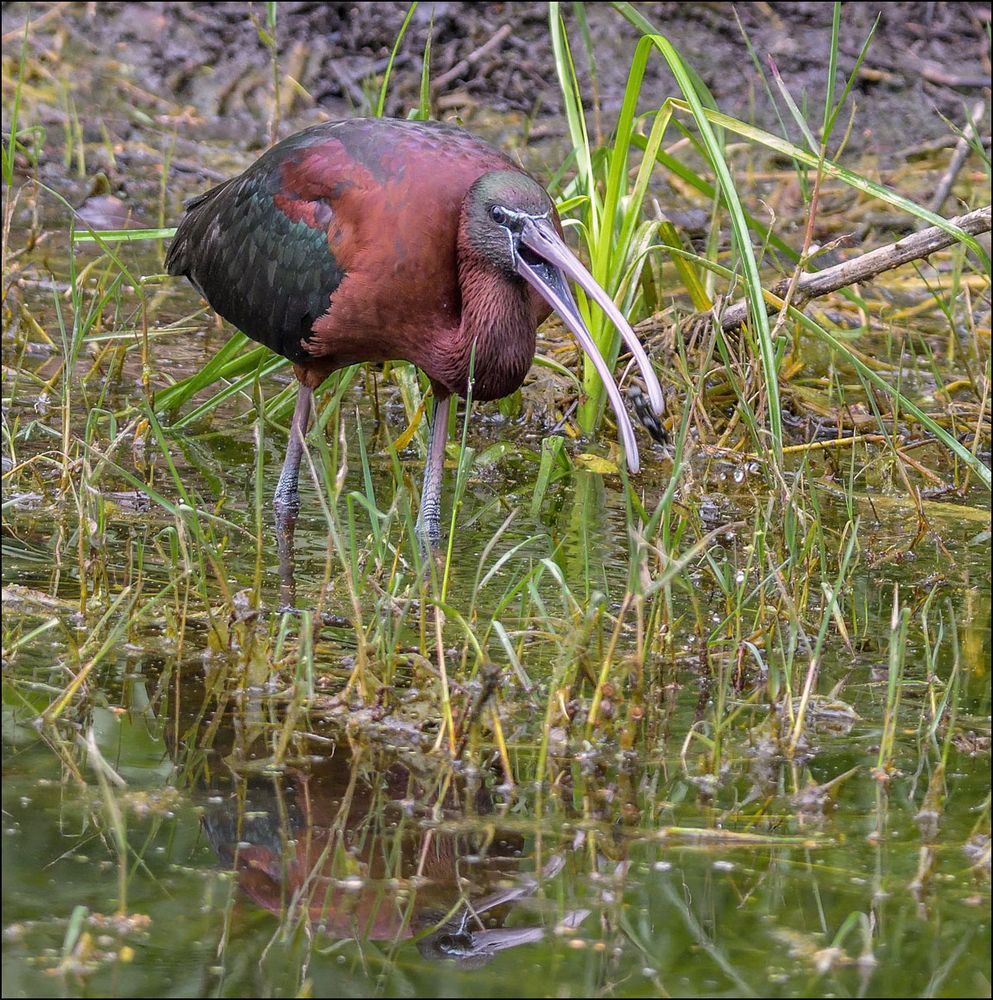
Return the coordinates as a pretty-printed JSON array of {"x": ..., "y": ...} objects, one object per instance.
[{"x": 388, "y": 72}]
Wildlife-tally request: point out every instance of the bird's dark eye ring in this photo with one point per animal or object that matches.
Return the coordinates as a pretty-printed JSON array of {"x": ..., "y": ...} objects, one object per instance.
[{"x": 498, "y": 215}]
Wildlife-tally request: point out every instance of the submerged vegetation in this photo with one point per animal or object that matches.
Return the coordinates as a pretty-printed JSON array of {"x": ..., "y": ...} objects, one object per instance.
[{"x": 661, "y": 727}]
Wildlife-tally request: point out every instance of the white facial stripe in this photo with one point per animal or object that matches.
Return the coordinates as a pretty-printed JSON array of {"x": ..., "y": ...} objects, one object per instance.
[
  {"x": 522, "y": 217},
  {"x": 510, "y": 237}
]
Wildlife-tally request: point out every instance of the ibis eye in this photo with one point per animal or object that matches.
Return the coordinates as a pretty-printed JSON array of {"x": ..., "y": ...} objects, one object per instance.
[{"x": 498, "y": 215}]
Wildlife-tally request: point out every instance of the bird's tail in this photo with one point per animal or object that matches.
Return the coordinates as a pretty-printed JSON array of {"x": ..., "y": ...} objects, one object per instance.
[{"x": 179, "y": 256}]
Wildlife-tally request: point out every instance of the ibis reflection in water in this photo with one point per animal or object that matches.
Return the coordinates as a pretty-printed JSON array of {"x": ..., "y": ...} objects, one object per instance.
[{"x": 349, "y": 844}]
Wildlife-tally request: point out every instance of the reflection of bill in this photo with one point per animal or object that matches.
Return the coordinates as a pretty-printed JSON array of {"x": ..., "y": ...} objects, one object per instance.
[
  {"x": 341, "y": 846},
  {"x": 465, "y": 940}
]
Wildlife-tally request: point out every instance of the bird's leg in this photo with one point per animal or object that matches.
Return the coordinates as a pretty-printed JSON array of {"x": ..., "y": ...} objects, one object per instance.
[
  {"x": 429, "y": 515},
  {"x": 287, "y": 499}
]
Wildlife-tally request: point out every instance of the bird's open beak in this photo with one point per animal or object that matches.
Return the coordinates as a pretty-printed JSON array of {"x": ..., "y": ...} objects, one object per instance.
[{"x": 545, "y": 262}]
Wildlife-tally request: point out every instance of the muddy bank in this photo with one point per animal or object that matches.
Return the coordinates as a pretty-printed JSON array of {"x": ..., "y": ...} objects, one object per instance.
[{"x": 210, "y": 64}]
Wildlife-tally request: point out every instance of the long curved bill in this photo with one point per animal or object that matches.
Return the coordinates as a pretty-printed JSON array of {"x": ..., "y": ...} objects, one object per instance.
[{"x": 546, "y": 267}]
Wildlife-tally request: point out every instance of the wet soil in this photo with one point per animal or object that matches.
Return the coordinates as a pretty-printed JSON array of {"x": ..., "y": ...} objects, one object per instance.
[{"x": 927, "y": 61}]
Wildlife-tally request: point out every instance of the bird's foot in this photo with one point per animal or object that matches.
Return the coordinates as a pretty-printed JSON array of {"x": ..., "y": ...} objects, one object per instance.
[
  {"x": 428, "y": 540},
  {"x": 428, "y": 527},
  {"x": 286, "y": 510},
  {"x": 286, "y": 507},
  {"x": 429, "y": 548}
]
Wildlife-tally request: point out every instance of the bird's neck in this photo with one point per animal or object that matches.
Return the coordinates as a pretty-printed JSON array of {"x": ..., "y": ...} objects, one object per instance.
[{"x": 496, "y": 337}]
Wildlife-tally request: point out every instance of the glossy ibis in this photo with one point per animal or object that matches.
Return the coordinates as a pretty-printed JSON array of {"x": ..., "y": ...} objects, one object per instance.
[{"x": 375, "y": 240}]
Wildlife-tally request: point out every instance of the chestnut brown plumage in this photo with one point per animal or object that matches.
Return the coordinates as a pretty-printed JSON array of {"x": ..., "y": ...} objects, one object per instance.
[{"x": 375, "y": 240}]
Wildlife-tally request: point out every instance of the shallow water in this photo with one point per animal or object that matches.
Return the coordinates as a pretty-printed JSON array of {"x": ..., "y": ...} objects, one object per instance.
[
  {"x": 206, "y": 812},
  {"x": 642, "y": 869},
  {"x": 632, "y": 875}
]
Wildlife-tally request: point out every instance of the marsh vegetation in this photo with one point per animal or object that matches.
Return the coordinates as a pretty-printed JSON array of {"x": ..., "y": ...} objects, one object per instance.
[{"x": 722, "y": 727}]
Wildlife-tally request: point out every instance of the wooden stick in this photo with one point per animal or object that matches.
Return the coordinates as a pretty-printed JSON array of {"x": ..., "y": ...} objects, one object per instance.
[
  {"x": 917, "y": 246},
  {"x": 464, "y": 65},
  {"x": 962, "y": 148}
]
